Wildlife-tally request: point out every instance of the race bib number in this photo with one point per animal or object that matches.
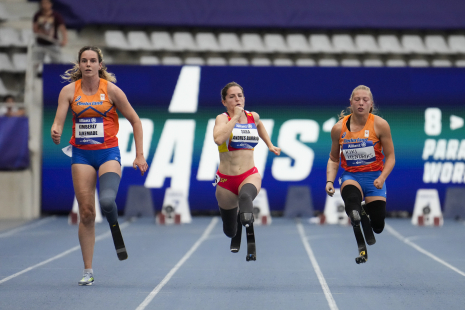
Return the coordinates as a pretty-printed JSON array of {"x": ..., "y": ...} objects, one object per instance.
[
  {"x": 244, "y": 136},
  {"x": 359, "y": 154},
  {"x": 89, "y": 130}
]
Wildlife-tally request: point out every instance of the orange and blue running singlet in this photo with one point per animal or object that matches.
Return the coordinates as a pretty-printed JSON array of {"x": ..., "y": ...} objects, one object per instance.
[
  {"x": 95, "y": 121},
  {"x": 361, "y": 150},
  {"x": 243, "y": 136}
]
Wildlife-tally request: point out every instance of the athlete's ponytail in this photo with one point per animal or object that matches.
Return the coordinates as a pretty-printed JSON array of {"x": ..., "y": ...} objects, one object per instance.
[{"x": 74, "y": 74}]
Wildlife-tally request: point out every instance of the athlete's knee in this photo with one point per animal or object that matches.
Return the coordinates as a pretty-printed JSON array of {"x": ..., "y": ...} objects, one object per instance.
[
  {"x": 87, "y": 215},
  {"x": 229, "y": 218},
  {"x": 377, "y": 212},
  {"x": 352, "y": 199},
  {"x": 247, "y": 194},
  {"x": 107, "y": 203}
]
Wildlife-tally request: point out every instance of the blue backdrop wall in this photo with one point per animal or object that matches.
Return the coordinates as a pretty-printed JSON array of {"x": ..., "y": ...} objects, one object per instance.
[{"x": 424, "y": 107}]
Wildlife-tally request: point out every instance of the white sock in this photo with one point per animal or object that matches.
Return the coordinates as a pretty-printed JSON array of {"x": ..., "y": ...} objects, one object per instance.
[{"x": 89, "y": 270}]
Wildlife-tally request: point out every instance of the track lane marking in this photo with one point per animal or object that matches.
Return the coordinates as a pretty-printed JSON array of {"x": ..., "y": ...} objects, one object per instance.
[
  {"x": 421, "y": 250},
  {"x": 98, "y": 238},
  {"x": 329, "y": 297},
  {"x": 170, "y": 274},
  {"x": 27, "y": 226}
]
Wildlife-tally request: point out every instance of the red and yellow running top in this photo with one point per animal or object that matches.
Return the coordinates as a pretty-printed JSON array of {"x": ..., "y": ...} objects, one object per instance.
[
  {"x": 361, "y": 150},
  {"x": 95, "y": 121}
]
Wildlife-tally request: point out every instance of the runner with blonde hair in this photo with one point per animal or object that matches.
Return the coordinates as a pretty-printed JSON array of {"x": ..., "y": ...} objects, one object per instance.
[{"x": 93, "y": 99}]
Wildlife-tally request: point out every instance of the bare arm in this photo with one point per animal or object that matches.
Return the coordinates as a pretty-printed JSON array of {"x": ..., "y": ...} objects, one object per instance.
[
  {"x": 121, "y": 102},
  {"x": 65, "y": 97},
  {"x": 333, "y": 161},
  {"x": 264, "y": 135},
  {"x": 64, "y": 35},
  {"x": 384, "y": 133},
  {"x": 223, "y": 127}
]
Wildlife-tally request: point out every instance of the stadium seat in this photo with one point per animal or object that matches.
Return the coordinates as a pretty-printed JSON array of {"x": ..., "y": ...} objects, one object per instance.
[
  {"x": 3, "y": 90},
  {"x": 26, "y": 36},
  {"x": 206, "y": 42},
  {"x": 238, "y": 61},
  {"x": 283, "y": 62},
  {"x": 20, "y": 62},
  {"x": 395, "y": 63},
  {"x": 9, "y": 37},
  {"x": 321, "y": 43},
  {"x": 343, "y": 43},
  {"x": 229, "y": 42},
  {"x": 260, "y": 61},
  {"x": 413, "y": 44},
  {"x": 216, "y": 61},
  {"x": 275, "y": 43},
  {"x": 252, "y": 42},
  {"x": 418, "y": 63},
  {"x": 350, "y": 62},
  {"x": 305, "y": 62},
  {"x": 457, "y": 43},
  {"x": 436, "y": 44},
  {"x": 441, "y": 63},
  {"x": 366, "y": 43},
  {"x": 149, "y": 60},
  {"x": 161, "y": 41},
  {"x": 4, "y": 15},
  {"x": 373, "y": 62},
  {"x": 171, "y": 61},
  {"x": 138, "y": 40},
  {"x": 460, "y": 63},
  {"x": 194, "y": 61},
  {"x": 115, "y": 39},
  {"x": 5, "y": 63},
  {"x": 390, "y": 44},
  {"x": 328, "y": 62},
  {"x": 297, "y": 43},
  {"x": 184, "y": 41}
]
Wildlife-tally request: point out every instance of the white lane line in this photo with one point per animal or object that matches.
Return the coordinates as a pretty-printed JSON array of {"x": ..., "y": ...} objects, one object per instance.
[
  {"x": 186, "y": 256},
  {"x": 29, "y": 226},
  {"x": 421, "y": 250},
  {"x": 98, "y": 238},
  {"x": 329, "y": 297}
]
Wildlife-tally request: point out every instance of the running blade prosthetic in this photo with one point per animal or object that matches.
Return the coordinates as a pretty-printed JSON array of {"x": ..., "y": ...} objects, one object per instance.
[
  {"x": 118, "y": 241},
  {"x": 251, "y": 251}
]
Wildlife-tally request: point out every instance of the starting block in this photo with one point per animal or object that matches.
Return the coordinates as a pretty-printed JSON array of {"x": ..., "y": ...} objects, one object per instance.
[
  {"x": 73, "y": 217},
  {"x": 334, "y": 212},
  {"x": 175, "y": 208},
  {"x": 261, "y": 209},
  {"x": 427, "y": 210}
]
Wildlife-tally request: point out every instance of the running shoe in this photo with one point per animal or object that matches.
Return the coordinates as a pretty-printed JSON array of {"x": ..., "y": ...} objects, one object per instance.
[{"x": 87, "y": 279}]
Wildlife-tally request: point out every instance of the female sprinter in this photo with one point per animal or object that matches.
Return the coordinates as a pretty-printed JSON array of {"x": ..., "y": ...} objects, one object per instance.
[
  {"x": 236, "y": 133},
  {"x": 361, "y": 138},
  {"x": 93, "y": 99}
]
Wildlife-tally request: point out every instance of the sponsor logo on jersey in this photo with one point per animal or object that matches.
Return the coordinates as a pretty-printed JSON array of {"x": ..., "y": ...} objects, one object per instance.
[{"x": 77, "y": 99}]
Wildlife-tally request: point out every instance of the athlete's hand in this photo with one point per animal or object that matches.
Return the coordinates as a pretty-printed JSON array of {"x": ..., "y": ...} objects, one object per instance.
[
  {"x": 276, "y": 150},
  {"x": 56, "y": 137},
  {"x": 379, "y": 182},
  {"x": 141, "y": 163},
  {"x": 330, "y": 189},
  {"x": 238, "y": 112}
]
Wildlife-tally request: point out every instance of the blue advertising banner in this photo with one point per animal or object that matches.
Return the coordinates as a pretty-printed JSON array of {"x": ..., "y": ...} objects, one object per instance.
[{"x": 298, "y": 106}]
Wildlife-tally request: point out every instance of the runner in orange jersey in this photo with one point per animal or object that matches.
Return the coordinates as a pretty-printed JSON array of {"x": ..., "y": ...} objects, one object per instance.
[{"x": 93, "y": 99}]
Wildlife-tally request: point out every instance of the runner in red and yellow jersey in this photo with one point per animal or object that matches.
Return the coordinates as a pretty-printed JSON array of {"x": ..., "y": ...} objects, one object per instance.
[
  {"x": 360, "y": 139},
  {"x": 236, "y": 133},
  {"x": 93, "y": 99}
]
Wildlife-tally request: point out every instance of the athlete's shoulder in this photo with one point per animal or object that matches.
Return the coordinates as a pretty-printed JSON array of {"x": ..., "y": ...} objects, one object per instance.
[
  {"x": 380, "y": 121},
  {"x": 222, "y": 116},
  {"x": 255, "y": 115},
  {"x": 68, "y": 90},
  {"x": 336, "y": 130}
]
